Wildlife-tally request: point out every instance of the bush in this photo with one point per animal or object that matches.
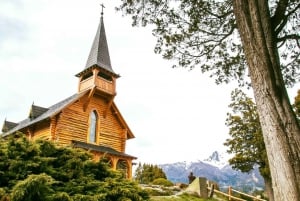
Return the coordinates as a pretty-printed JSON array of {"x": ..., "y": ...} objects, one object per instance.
[
  {"x": 41, "y": 171},
  {"x": 61, "y": 196},
  {"x": 158, "y": 192},
  {"x": 162, "y": 182}
]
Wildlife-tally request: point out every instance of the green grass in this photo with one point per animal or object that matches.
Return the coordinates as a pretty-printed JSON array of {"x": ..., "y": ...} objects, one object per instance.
[{"x": 183, "y": 197}]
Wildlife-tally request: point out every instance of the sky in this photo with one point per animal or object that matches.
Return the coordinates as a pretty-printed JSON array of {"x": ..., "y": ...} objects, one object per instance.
[{"x": 175, "y": 114}]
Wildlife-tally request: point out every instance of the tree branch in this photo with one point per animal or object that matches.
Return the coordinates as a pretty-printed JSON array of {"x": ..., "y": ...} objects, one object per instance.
[
  {"x": 284, "y": 20},
  {"x": 279, "y": 13},
  {"x": 287, "y": 37}
]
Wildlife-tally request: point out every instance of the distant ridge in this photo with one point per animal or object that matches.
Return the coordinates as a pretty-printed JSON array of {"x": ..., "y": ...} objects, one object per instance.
[{"x": 214, "y": 168}]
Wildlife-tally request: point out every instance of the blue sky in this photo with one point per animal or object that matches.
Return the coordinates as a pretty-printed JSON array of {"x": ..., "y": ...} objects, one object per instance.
[{"x": 175, "y": 114}]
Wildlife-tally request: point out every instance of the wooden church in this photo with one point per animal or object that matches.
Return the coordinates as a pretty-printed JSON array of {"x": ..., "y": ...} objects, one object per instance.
[{"x": 88, "y": 119}]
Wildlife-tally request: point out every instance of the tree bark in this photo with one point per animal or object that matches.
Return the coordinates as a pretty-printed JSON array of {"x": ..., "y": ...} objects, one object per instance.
[
  {"x": 269, "y": 189},
  {"x": 279, "y": 124}
]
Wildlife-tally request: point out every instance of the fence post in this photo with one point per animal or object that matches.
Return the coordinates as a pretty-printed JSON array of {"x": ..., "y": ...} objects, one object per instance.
[
  {"x": 229, "y": 193},
  {"x": 212, "y": 189},
  {"x": 203, "y": 187}
]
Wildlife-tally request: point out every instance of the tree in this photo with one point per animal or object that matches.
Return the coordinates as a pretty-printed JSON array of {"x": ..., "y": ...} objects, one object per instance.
[
  {"x": 40, "y": 170},
  {"x": 234, "y": 39},
  {"x": 246, "y": 142},
  {"x": 147, "y": 173}
]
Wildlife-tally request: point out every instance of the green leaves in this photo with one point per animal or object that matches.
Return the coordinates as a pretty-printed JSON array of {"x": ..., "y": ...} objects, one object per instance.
[
  {"x": 40, "y": 170},
  {"x": 34, "y": 187},
  {"x": 195, "y": 33},
  {"x": 246, "y": 142},
  {"x": 296, "y": 105},
  {"x": 204, "y": 34}
]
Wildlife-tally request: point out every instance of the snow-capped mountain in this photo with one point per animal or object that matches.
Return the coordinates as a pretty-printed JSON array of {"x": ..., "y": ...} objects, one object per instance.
[
  {"x": 214, "y": 168},
  {"x": 217, "y": 159}
]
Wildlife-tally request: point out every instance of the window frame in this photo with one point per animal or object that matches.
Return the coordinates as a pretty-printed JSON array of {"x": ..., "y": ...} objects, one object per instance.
[{"x": 95, "y": 127}]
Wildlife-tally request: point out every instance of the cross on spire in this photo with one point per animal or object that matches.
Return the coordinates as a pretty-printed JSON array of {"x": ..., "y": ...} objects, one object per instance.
[{"x": 102, "y": 5}]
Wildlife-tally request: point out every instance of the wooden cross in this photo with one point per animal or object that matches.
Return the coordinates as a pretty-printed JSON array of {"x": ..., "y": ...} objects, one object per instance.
[{"x": 102, "y": 5}]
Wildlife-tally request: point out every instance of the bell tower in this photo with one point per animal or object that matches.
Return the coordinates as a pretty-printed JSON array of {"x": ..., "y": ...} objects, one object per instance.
[{"x": 98, "y": 75}]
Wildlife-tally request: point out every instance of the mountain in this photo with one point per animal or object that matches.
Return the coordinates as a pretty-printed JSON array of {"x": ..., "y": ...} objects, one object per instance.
[
  {"x": 217, "y": 169},
  {"x": 217, "y": 159}
]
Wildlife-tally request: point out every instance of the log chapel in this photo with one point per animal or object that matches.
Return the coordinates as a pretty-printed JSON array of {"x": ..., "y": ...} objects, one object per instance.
[{"x": 89, "y": 119}]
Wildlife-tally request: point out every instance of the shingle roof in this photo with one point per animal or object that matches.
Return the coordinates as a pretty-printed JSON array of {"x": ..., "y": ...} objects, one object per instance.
[
  {"x": 99, "y": 54},
  {"x": 51, "y": 111},
  {"x": 99, "y": 148},
  {"x": 7, "y": 125},
  {"x": 36, "y": 111}
]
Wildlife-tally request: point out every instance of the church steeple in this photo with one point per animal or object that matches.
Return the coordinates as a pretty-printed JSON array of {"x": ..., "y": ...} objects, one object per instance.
[
  {"x": 99, "y": 54},
  {"x": 98, "y": 64}
]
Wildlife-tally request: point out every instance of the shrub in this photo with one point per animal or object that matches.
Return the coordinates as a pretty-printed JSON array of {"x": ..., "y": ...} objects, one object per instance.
[
  {"x": 162, "y": 182},
  {"x": 158, "y": 192},
  {"x": 40, "y": 171}
]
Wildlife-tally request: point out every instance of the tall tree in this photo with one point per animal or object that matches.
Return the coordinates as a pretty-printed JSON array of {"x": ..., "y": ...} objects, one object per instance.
[
  {"x": 233, "y": 39},
  {"x": 246, "y": 142}
]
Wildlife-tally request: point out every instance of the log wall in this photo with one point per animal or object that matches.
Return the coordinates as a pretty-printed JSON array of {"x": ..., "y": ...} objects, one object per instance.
[
  {"x": 42, "y": 131},
  {"x": 73, "y": 123}
]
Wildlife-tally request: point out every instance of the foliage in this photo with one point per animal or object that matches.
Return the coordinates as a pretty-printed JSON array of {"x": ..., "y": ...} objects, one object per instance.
[
  {"x": 246, "y": 140},
  {"x": 34, "y": 187},
  {"x": 162, "y": 182},
  {"x": 147, "y": 173},
  {"x": 43, "y": 171},
  {"x": 204, "y": 34},
  {"x": 296, "y": 105}
]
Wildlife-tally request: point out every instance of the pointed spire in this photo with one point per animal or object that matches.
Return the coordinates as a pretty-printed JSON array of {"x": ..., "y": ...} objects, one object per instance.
[{"x": 99, "y": 54}]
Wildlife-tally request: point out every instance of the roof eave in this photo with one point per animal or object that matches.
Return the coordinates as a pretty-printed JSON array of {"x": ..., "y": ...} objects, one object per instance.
[{"x": 96, "y": 66}]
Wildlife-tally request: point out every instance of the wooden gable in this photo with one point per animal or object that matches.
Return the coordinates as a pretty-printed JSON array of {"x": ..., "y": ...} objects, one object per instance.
[{"x": 73, "y": 124}]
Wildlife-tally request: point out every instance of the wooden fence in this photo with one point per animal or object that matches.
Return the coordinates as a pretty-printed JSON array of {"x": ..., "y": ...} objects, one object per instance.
[
  {"x": 206, "y": 189},
  {"x": 230, "y": 195}
]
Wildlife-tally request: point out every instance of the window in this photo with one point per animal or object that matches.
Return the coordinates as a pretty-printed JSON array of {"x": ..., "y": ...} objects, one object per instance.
[
  {"x": 86, "y": 76},
  {"x": 93, "y": 127},
  {"x": 105, "y": 76}
]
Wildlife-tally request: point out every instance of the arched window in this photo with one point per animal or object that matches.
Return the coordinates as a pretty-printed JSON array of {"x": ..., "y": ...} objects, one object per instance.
[{"x": 93, "y": 127}]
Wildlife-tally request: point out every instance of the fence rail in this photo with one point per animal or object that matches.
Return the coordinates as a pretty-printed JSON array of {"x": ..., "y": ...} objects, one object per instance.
[
  {"x": 247, "y": 195},
  {"x": 230, "y": 196},
  {"x": 206, "y": 189}
]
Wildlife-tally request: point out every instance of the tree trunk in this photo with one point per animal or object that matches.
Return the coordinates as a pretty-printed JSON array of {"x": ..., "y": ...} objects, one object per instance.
[
  {"x": 269, "y": 189},
  {"x": 279, "y": 124}
]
